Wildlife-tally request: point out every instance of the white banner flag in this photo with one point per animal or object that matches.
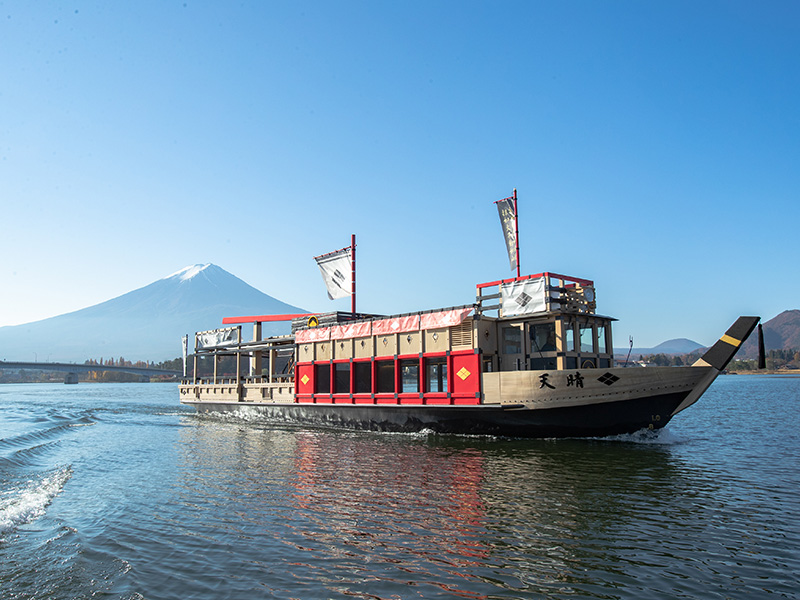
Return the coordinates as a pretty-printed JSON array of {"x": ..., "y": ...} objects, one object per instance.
[
  {"x": 217, "y": 338},
  {"x": 335, "y": 268},
  {"x": 523, "y": 297},
  {"x": 505, "y": 209}
]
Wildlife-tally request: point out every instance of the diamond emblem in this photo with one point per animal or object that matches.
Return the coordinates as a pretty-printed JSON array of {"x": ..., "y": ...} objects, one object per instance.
[
  {"x": 305, "y": 379},
  {"x": 463, "y": 373},
  {"x": 608, "y": 378},
  {"x": 523, "y": 299}
]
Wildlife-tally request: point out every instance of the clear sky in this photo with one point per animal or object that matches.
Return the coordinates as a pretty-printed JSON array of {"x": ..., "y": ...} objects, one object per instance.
[{"x": 655, "y": 147}]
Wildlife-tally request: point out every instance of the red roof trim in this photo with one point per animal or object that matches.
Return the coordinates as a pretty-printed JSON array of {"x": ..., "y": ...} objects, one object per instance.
[{"x": 262, "y": 318}]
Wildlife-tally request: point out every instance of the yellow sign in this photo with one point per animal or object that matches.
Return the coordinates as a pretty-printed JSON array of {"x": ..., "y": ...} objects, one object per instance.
[
  {"x": 313, "y": 321},
  {"x": 463, "y": 373},
  {"x": 305, "y": 379}
]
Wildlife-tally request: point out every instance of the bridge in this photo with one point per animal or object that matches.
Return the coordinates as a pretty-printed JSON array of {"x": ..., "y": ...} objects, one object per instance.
[{"x": 72, "y": 369}]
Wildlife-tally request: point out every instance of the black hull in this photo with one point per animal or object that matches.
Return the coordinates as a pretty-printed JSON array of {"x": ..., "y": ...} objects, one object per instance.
[{"x": 590, "y": 420}]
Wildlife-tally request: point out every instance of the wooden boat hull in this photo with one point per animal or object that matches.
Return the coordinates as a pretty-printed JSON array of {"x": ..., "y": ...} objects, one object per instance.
[
  {"x": 593, "y": 419},
  {"x": 527, "y": 403}
]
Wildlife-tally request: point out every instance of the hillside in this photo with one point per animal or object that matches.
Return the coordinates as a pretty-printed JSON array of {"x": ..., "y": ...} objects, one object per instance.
[
  {"x": 780, "y": 333},
  {"x": 145, "y": 324}
]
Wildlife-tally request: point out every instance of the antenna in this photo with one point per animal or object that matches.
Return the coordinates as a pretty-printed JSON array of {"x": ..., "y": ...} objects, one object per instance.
[{"x": 630, "y": 348}]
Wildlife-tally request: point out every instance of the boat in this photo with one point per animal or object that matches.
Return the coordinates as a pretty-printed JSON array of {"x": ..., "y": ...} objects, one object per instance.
[{"x": 530, "y": 357}]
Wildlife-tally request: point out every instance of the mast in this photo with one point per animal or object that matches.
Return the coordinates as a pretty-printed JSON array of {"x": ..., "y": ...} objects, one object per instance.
[
  {"x": 353, "y": 264},
  {"x": 516, "y": 229}
]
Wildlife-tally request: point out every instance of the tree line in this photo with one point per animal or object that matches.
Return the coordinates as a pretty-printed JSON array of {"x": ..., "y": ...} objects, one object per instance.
[{"x": 776, "y": 360}]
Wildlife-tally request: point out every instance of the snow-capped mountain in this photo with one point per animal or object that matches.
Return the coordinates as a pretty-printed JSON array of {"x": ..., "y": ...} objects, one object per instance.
[{"x": 147, "y": 323}]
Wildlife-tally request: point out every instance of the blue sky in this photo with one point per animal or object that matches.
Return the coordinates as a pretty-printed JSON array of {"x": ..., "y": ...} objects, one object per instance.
[{"x": 655, "y": 147}]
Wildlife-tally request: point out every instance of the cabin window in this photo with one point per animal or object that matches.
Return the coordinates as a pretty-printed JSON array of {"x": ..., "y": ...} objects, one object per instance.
[
  {"x": 362, "y": 377},
  {"x": 572, "y": 362},
  {"x": 569, "y": 337},
  {"x": 512, "y": 340},
  {"x": 543, "y": 364},
  {"x": 384, "y": 376},
  {"x": 322, "y": 378},
  {"x": 543, "y": 337},
  {"x": 436, "y": 374},
  {"x": 409, "y": 375},
  {"x": 341, "y": 378},
  {"x": 602, "y": 344},
  {"x": 587, "y": 338}
]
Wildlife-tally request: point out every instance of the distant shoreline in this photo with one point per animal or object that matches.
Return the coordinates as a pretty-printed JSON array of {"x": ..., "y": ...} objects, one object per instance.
[{"x": 790, "y": 372}]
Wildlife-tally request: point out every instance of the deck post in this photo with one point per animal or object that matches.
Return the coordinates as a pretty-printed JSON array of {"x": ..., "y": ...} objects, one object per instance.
[{"x": 255, "y": 359}]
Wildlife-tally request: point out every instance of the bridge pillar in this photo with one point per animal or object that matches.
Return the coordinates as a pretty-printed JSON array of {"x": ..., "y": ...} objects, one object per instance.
[{"x": 71, "y": 378}]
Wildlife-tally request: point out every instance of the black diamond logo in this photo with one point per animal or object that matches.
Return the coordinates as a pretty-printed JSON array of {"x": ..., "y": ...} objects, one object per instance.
[
  {"x": 523, "y": 299},
  {"x": 608, "y": 378}
]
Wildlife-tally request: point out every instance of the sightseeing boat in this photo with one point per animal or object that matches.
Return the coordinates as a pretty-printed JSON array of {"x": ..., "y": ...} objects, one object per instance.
[{"x": 530, "y": 357}]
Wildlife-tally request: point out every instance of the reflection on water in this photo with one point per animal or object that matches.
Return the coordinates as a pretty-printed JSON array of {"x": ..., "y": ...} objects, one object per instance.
[
  {"x": 135, "y": 498},
  {"x": 375, "y": 513}
]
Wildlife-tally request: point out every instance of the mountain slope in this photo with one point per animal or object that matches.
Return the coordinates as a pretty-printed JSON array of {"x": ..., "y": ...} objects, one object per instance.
[
  {"x": 147, "y": 323},
  {"x": 780, "y": 333}
]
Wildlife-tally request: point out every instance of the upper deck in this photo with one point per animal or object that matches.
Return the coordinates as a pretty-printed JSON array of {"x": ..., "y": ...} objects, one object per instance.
[{"x": 539, "y": 322}]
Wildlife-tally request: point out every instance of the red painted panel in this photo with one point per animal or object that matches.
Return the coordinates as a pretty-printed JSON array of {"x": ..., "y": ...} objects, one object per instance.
[
  {"x": 466, "y": 400},
  {"x": 304, "y": 378},
  {"x": 410, "y": 399},
  {"x": 387, "y": 399},
  {"x": 437, "y": 400},
  {"x": 466, "y": 374}
]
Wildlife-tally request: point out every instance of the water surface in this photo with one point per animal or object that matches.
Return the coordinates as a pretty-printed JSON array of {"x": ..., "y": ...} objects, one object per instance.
[{"x": 117, "y": 491}]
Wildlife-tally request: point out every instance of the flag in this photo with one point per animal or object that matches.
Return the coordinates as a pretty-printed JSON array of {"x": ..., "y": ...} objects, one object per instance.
[
  {"x": 334, "y": 268},
  {"x": 505, "y": 208},
  {"x": 185, "y": 343}
]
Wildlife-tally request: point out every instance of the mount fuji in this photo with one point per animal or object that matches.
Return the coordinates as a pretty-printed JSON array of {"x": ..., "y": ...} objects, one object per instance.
[{"x": 147, "y": 323}]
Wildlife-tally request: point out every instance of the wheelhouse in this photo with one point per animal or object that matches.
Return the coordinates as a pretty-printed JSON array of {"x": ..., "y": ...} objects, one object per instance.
[{"x": 544, "y": 322}]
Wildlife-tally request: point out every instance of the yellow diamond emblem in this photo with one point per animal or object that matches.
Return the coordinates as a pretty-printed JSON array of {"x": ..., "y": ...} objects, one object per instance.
[
  {"x": 463, "y": 373},
  {"x": 305, "y": 379}
]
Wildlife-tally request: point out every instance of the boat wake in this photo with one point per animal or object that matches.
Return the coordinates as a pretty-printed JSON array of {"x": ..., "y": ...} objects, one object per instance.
[
  {"x": 660, "y": 437},
  {"x": 28, "y": 502}
]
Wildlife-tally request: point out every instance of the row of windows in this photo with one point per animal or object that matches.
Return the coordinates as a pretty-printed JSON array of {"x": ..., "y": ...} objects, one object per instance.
[
  {"x": 578, "y": 337},
  {"x": 358, "y": 378}
]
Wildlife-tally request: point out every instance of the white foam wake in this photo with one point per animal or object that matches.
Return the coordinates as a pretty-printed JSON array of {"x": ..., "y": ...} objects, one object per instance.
[{"x": 28, "y": 503}]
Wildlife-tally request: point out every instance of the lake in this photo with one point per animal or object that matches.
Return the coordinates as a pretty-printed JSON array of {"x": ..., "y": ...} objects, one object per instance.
[{"x": 117, "y": 491}]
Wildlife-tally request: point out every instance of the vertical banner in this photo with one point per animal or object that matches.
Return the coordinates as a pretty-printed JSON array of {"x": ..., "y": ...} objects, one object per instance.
[
  {"x": 508, "y": 218},
  {"x": 185, "y": 341},
  {"x": 334, "y": 268}
]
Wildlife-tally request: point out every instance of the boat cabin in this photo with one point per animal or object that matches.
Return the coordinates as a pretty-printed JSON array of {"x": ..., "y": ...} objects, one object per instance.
[{"x": 543, "y": 322}]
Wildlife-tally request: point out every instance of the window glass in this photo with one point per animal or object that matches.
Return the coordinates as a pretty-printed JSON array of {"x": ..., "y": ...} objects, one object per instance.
[
  {"x": 436, "y": 374},
  {"x": 586, "y": 336},
  {"x": 543, "y": 337},
  {"x": 569, "y": 337},
  {"x": 409, "y": 375},
  {"x": 602, "y": 347},
  {"x": 362, "y": 377},
  {"x": 384, "y": 376},
  {"x": 322, "y": 378},
  {"x": 543, "y": 364},
  {"x": 512, "y": 340},
  {"x": 342, "y": 378}
]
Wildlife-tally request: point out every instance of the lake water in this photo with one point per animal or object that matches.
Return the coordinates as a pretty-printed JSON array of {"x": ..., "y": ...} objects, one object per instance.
[{"x": 117, "y": 491}]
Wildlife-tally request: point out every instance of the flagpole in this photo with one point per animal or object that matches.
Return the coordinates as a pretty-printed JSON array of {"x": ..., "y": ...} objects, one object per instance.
[
  {"x": 353, "y": 261},
  {"x": 516, "y": 229}
]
